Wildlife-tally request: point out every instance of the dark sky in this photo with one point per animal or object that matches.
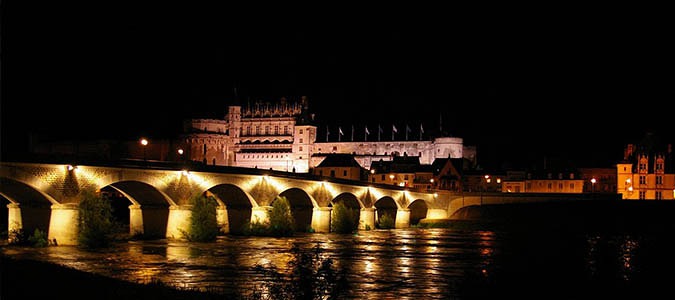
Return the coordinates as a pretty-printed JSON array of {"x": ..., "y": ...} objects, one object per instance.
[{"x": 570, "y": 86}]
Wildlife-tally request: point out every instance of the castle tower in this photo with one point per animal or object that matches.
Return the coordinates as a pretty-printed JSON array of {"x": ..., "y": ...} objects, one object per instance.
[{"x": 304, "y": 137}]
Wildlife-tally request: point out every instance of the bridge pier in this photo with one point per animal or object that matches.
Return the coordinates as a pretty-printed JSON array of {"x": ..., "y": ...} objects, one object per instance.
[
  {"x": 402, "y": 218},
  {"x": 136, "y": 220},
  {"x": 221, "y": 218},
  {"x": 321, "y": 219},
  {"x": 367, "y": 218},
  {"x": 15, "y": 222},
  {"x": 179, "y": 217},
  {"x": 64, "y": 223}
]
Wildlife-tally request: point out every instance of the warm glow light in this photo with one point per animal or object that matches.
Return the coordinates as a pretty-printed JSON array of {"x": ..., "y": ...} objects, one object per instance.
[
  {"x": 391, "y": 176},
  {"x": 499, "y": 180},
  {"x": 185, "y": 172},
  {"x": 487, "y": 176},
  {"x": 593, "y": 180},
  {"x": 372, "y": 171},
  {"x": 488, "y": 180},
  {"x": 435, "y": 195},
  {"x": 71, "y": 167},
  {"x": 180, "y": 151},
  {"x": 431, "y": 180},
  {"x": 628, "y": 180},
  {"x": 144, "y": 142},
  {"x": 630, "y": 188},
  {"x": 401, "y": 184}
]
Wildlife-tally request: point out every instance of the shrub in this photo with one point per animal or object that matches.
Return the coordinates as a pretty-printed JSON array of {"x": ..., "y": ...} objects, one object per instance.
[
  {"x": 280, "y": 218},
  {"x": 203, "y": 220},
  {"x": 95, "y": 220},
  {"x": 386, "y": 221},
  {"x": 343, "y": 219},
  {"x": 17, "y": 237},
  {"x": 38, "y": 239}
]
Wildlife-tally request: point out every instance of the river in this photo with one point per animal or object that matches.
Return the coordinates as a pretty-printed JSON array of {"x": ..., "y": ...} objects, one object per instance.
[{"x": 414, "y": 263}]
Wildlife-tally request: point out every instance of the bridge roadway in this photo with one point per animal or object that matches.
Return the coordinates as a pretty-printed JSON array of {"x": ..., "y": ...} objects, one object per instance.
[{"x": 46, "y": 196}]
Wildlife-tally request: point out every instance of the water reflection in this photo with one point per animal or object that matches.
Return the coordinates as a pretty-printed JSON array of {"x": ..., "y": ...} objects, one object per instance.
[{"x": 378, "y": 264}]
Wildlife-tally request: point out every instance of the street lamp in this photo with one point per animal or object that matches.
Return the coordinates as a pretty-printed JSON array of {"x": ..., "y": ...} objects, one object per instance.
[
  {"x": 144, "y": 143},
  {"x": 593, "y": 181}
]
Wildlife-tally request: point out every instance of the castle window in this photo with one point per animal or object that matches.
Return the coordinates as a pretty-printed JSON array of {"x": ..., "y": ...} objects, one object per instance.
[
  {"x": 286, "y": 129},
  {"x": 332, "y": 173},
  {"x": 643, "y": 179},
  {"x": 571, "y": 186},
  {"x": 659, "y": 179},
  {"x": 300, "y": 148},
  {"x": 344, "y": 173},
  {"x": 642, "y": 195},
  {"x": 320, "y": 172},
  {"x": 382, "y": 177},
  {"x": 300, "y": 131},
  {"x": 276, "y": 129},
  {"x": 300, "y": 140},
  {"x": 257, "y": 130},
  {"x": 267, "y": 130},
  {"x": 658, "y": 195}
]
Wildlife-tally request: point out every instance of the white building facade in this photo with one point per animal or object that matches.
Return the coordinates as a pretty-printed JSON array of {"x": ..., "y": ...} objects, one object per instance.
[{"x": 281, "y": 137}]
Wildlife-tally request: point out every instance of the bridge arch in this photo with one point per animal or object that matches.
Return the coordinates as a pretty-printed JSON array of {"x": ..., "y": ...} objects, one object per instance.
[
  {"x": 385, "y": 206},
  {"x": 302, "y": 207},
  {"x": 24, "y": 207},
  {"x": 148, "y": 209},
  {"x": 352, "y": 203},
  {"x": 237, "y": 203},
  {"x": 418, "y": 211}
]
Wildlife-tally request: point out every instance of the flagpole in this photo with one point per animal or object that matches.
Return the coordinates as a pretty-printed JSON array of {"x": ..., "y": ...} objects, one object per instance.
[
  {"x": 326, "y": 133},
  {"x": 406, "y": 131},
  {"x": 379, "y": 130},
  {"x": 352, "y": 132}
]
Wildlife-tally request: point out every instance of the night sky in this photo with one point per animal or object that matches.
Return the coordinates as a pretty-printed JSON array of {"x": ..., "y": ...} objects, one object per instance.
[{"x": 568, "y": 87}]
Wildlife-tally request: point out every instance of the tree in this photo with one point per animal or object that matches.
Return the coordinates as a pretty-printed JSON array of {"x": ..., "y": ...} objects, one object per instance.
[
  {"x": 203, "y": 220},
  {"x": 343, "y": 219},
  {"x": 96, "y": 226},
  {"x": 281, "y": 219}
]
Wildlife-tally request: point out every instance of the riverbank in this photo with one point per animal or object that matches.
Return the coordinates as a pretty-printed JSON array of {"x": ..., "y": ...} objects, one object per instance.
[{"x": 29, "y": 279}]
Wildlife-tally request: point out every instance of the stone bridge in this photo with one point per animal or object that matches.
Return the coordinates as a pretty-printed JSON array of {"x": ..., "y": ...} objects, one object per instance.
[{"x": 46, "y": 197}]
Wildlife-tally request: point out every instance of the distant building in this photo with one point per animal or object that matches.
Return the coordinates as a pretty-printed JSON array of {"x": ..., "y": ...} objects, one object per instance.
[
  {"x": 598, "y": 180},
  {"x": 545, "y": 181},
  {"x": 340, "y": 166},
  {"x": 647, "y": 171},
  {"x": 400, "y": 171},
  {"x": 282, "y": 136}
]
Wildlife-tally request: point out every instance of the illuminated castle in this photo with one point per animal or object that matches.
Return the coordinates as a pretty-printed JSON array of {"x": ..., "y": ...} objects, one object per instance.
[{"x": 282, "y": 136}]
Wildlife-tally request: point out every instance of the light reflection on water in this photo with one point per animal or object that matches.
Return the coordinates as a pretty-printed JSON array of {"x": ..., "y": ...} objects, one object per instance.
[{"x": 378, "y": 264}]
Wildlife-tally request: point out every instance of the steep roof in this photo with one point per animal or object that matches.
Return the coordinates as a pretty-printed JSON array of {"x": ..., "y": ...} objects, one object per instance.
[{"x": 339, "y": 160}]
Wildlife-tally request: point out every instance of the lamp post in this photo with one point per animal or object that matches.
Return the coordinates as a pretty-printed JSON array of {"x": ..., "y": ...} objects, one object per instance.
[
  {"x": 144, "y": 143},
  {"x": 593, "y": 181}
]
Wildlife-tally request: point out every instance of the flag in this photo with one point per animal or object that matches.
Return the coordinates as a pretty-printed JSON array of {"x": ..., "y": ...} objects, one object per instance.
[
  {"x": 421, "y": 131},
  {"x": 407, "y": 128},
  {"x": 340, "y": 130},
  {"x": 393, "y": 128},
  {"x": 367, "y": 132},
  {"x": 365, "y": 136},
  {"x": 352, "y": 133}
]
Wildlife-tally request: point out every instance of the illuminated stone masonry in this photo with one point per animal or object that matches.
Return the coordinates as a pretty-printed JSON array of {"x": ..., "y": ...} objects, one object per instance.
[{"x": 282, "y": 137}]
